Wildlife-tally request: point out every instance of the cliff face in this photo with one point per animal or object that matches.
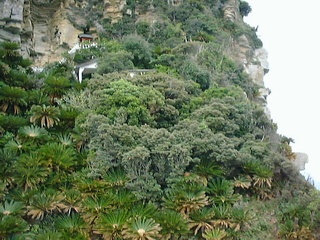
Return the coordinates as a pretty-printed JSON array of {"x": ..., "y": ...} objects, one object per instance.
[{"x": 47, "y": 28}]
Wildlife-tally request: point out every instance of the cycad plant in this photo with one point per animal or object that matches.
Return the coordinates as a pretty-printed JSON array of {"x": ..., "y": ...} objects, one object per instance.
[
  {"x": 200, "y": 220},
  {"x": 12, "y": 208},
  {"x": 242, "y": 182},
  {"x": 30, "y": 170},
  {"x": 222, "y": 218},
  {"x": 71, "y": 202},
  {"x": 186, "y": 198},
  {"x": 261, "y": 174},
  {"x": 221, "y": 191},
  {"x": 173, "y": 224},
  {"x": 45, "y": 116},
  {"x": 72, "y": 226},
  {"x": 58, "y": 156},
  {"x": 123, "y": 198},
  {"x": 146, "y": 210},
  {"x": 111, "y": 225},
  {"x": 262, "y": 177},
  {"x": 240, "y": 218},
  {"x": 116, "y": 177},
  {"x": 56, "y": 87},
  {"x": 12, "y": 99},
  {"x": 17, "y": 146},
  {"x": 65, "y": 139},
  {"x": 12, "y": 226},
  {"x": 207, "y": 169},
  {"x": 214, "y": 234},
  {"x": 95, "y": 206},
  {"x": 7, "y": 160},
  {"x": 44, "y": 203},
  {"x": 34, "y": 134},
  {"x": 141, "y": 229}
]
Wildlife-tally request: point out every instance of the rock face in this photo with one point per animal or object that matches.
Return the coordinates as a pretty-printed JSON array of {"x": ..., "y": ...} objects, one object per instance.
[
  {"x": 11, "y": 19},
  {"x": 231, "y": 12},
  {"x": 114, "y": 9},
  {"x": 300, "y": 161}
]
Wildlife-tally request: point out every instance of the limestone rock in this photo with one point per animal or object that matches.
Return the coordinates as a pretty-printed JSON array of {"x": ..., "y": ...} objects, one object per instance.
[
  {"x": 11, "y": 18},
  {"x": 231, "y": 11},
  {"x": 114, "y": 9},
  {"x": 300, "y": 161}
]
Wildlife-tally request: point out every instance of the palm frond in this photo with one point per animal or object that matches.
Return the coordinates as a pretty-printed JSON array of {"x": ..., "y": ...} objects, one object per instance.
[
  {"x": 12, "y": 208},
  {"x": 142, "y": 229}
]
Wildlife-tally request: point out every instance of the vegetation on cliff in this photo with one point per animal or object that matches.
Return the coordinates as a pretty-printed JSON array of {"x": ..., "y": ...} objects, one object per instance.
[{"x": 184, "y": 151}]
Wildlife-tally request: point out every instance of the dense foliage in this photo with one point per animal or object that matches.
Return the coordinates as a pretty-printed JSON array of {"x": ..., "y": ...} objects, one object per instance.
[{"x": 179, "y": 150}]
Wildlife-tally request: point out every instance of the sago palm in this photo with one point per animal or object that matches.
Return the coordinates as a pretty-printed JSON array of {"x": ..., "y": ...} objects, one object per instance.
[
  {"x": 186, "y": 199},
  {"x": 240, "y": 218},
  {"x": 95, "y": 206},
  {"x": 12, "y": 208},
  {"x": 44, "y": 203},
  {"x": 221, "y": 191},
  {"x": 65, "y": 139},
  {"x": 201, "y": 220},
  {"x": 58, "y": 156},
  {"x": 116, "y": 177},
  {"x": 147, "y": 210},
  {"x": 71, "y": 202},
  {"x": 45, "y": 116},
  {"x": 30, "y": 171},
  {"x": 33, "y": 133},
  {"x": 207, "y": 169},
  {"x": 16, "y": 145},
  {"x": 56, "y": 87},
  {"x": 73, "y": 226},
  {"x": 242, "y": 182},
  {"x": 262, "y": 177},
  {"x": 222, "y": 216},
  {"x": 12, "y": 99},
  {"x": 7, "y": 160},
  {"x": 214, "y": 234},
  {"x": 12, "y": 226},
  {"x": 111, "y": 225},
  {"x": 142, "y": 229},
  {"x": 123, "y": 198},
  {"x": 173, "y": 224}
]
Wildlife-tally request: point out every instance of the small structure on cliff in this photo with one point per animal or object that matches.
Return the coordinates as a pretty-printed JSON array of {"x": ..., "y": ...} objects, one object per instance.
[{"x": 85, "y": 37}]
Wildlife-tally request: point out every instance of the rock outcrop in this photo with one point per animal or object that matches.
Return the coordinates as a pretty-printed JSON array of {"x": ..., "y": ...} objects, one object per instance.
[
  {"x": 114, "y": 9},
  {"x": 11, "y": 19},
  {"x": 47, "y": 28},
  {"x": 300, "y": 160}
]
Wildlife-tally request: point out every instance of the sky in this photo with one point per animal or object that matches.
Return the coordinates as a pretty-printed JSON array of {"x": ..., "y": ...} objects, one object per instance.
[{"x": 289, "y": 31}]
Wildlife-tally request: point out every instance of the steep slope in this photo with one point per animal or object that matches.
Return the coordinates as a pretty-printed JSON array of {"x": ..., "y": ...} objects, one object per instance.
[{"x": 170, "y": 137}]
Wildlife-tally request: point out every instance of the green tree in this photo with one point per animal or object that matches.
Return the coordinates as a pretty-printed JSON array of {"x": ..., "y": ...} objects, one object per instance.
[
  {"x": 123, "y": 102},
  {"x": 244, "y": 8},
  {"x": 115, "y": 62},
  {"x": 140, "y": 50}
]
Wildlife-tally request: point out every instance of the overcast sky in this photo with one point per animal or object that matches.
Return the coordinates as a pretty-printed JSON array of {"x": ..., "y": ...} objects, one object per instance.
[{"x": 290, "y": 33}]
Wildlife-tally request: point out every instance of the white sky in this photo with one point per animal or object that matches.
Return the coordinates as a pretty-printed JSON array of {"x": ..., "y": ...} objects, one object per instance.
[{"x": 290, "y": 33}]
